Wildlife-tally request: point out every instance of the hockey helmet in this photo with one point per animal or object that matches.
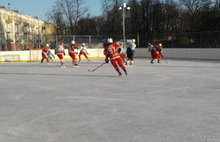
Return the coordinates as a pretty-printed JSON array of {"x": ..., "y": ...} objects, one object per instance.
[
  {"x": 83, "y": 44},
  {"x": 47, "y": 45},
  {"x": 109, "y": 40},
  {"x": 160, "y": 44},
  {"x": 61, "y": 43},
  {"x": 133, "y": 40},
  {"x": 73, "y": 42}
]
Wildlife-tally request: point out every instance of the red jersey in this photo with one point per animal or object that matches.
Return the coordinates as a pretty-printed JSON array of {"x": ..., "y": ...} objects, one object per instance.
[
  {"x": 159, "y": 48},
  {"x": 45, "y": 49},
  {"x": 73, "y": 48},
  {"x": 111, "y": 51}
]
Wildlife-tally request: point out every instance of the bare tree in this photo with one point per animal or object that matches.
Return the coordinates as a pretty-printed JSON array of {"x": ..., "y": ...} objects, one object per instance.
[
  {"x": 112, "y": 17},
  {"x": 106, "y": 6},
  {"x": 134, "y": 19},
  {"x": 56, "y": 17},
  {"x": 87, "y": 26},
  {"x": 171, "y": 16},
  {"x": 192, "y": 12},
  {"x": 71, "y": 10}
]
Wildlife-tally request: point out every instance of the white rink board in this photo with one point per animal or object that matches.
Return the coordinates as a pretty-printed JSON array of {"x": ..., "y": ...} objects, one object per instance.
[
  {"x": 184, "y": 53},
  {"x": 174, "y": 53},
  {"x": 173, "y": 102}
]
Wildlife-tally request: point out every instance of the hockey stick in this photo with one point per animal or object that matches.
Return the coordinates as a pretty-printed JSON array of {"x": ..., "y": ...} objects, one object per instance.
[
  {"x": 165, "y": 61},
  {"x": 96, "y": 67},
  {"x": 163, "y": 58}
]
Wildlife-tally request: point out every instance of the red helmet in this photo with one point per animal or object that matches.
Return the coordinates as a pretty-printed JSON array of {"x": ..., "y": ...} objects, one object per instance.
[{"x": 61, "y": 43}]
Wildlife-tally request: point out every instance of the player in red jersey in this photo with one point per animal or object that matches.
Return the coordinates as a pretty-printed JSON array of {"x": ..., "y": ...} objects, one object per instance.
[
  {"x": 73, "y": 51},
  {"x": 44, "y": 53},
  {"x": 157, "y": 53},
  {"x": 111, "y": 52},
  {"x": 159, "y": 49}
]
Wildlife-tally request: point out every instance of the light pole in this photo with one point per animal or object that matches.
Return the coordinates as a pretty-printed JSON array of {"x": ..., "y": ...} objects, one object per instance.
[{"x": 123, "y": 8}]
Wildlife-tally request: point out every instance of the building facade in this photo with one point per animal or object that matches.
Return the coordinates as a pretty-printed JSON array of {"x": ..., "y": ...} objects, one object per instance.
[{"x": 19, "y": 31}]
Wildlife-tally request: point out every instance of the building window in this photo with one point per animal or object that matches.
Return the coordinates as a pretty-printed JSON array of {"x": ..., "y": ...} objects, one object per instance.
[
  {"x": 8, "y": 25},
  {"x": 16, "y": 28}
]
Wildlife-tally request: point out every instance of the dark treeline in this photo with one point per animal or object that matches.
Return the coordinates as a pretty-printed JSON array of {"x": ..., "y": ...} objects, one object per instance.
[{"x": 144, "y": 17}]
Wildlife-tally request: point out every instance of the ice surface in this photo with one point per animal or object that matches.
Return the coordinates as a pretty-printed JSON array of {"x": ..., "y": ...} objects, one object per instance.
[{"x": 174, "y": 102}]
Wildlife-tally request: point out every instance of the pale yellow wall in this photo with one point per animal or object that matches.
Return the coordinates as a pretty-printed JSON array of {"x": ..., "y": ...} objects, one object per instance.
[{"x": 8, "y": 31}]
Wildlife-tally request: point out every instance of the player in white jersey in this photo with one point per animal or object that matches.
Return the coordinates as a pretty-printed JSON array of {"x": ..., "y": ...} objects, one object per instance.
[
  {"x": 83, "y": 51},
  {"x": 130, "y": 52},
  {"x": 60, "y": 52}
]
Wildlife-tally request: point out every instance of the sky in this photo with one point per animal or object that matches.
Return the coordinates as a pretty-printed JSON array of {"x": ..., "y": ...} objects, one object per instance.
[{"x": 38, "y": 8}]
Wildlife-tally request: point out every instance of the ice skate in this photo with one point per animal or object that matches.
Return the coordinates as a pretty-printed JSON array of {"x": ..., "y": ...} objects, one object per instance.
[
  {"x": 63, "y": 66},
  {"x": 126, "y": 64},
  {"x": 120, "y": 74},
  {"x": 53, "y": 60},
  {"x": 126, "y": 73},
  {"x": 131, "y": 65},
  {"x": 75, "y": 65}
]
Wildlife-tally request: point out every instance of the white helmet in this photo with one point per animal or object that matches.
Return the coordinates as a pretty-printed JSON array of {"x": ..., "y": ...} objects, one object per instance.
[
  {"x": 73, "y": 42},
  {"x": 83, "y": 44},
  {"x": 133, "y": 40},
  {"x": 109, "y": 40},
  {"x": 47, "y": 45},
  {"x": 160, "y": 44}
]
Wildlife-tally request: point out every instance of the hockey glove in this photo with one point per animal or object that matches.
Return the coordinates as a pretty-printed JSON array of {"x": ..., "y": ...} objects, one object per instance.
[{"x": 106, "y": 61}]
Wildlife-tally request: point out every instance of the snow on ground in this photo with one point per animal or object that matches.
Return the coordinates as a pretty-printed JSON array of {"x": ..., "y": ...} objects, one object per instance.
[{"x": 174, "y": 102}]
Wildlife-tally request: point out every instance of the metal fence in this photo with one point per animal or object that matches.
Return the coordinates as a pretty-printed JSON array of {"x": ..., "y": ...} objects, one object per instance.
[
  {"x": 171, "y": 40},
  {"x": 186, "y": 40}
]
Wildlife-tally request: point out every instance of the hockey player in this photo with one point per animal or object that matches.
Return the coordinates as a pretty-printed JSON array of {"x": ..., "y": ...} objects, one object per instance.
[
  {"x": 51, "y": 56},
  {"x": 44, "y": 53},
  {"x": 130, "y": 52},
  {"x": 157, "y": 53},
  {"x": 111, "y": 52},
  {"x": 73, "y": 51},
  {"x": 159, "y": 49},
  {"x": 122, "y": 55},
  {"x": 83, "y": 51},
  {"x": 150, "y": 48},
  {"x": 60, "y": 52}
]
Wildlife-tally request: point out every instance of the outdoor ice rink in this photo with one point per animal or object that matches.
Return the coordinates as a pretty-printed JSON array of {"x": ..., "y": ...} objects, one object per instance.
[{"x": 174, "y": 102}]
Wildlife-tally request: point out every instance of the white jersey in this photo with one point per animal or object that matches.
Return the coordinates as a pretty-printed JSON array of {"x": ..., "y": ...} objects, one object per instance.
[
  {"x": 150, "y": 47},
  {"x": 83, "y": 49},
  {"x": 60, "y": 48},
  {"x": 131, "y": 45}
]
